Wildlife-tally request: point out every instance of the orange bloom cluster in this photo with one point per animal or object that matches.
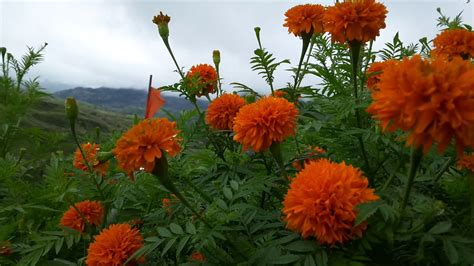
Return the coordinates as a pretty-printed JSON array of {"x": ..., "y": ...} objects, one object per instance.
[
  {"x": 454, "y": 43},
  {"x": 198, "y": 256},
  {"x": 202, "y": 79},
  {"x": 305, "y": 19},
  {"x": 466, "y": 161},
  {"x": 114, "y": 245},
  {"x": 90, "y": 150},
  {"x": 432, "y": 101},
  {"x": 221, "y": 112},
  {"x": 357, "y": 20},
  {"x": 321, "y": 201},
  {"x": 141, "y": 145},
  {"x": 315, "y": 151},
  {"x": 92, "y": 211},
  {"x": 268, "y": 120},
  {"x": 374, "y": 71}
]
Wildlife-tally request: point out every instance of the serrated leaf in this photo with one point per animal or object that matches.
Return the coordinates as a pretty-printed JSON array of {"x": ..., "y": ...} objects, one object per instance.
[
  {"x": 190, "y": 228},
  {"x": 227, "y": 193},
  {"x": 365, "y": 211},
  {"x": 164, "y": 232},
  {"x": 234, "y": 185}
]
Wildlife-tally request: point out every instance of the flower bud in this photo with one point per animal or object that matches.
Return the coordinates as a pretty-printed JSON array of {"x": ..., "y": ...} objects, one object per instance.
[
  {"x": 71, "y": 109},
  {"x": 162, "y": 21},
  {"x": 216, "y": 57}
]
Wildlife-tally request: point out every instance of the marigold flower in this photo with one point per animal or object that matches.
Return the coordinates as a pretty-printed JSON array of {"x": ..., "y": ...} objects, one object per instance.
[
  {"x": 358, "y": 20},
  {"x": 141, "y": 145},
  {"x": 321, "y": 201},
  {"x": 453, "y": 43},
  {"x": 92, "y": 211},
  {"x": 279, "y": 93},
  {"x": 466, "y": 161},
  {"x": 221, "y": 112},
  {"x": 91, "y": 151},
  {"x": 162, "y": 20},
  {"x": 374, "y": 71},
  {"x": 198, "y": 256},
  {"x": 268, "y": 120},
  {"x": 305, "y": 19},
  {"x": 432, "y": 101},
  {"x": 202, "y": 79},
  {"x": 114, "y": 245},
  {"x": 314, "y": 151}
]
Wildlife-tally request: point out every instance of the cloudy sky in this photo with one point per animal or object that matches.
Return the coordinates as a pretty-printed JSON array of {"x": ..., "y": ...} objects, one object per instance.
[{"x": 114, "y": 43}]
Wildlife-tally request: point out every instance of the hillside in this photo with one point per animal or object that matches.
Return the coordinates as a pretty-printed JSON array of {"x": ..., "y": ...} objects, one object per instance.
[{"x": 127, "y": 101}]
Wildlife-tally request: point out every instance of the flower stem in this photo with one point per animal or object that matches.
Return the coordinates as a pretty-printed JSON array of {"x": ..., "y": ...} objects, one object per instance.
[
  {"x": 167, "y": 44},
  {"x": 415, "y": 160},
  {"x": 305, "y": 68},
  {"x": 276, "y": 152},
  {"x": 443, "y": 169},
  {"x": 306, "y": 40}
]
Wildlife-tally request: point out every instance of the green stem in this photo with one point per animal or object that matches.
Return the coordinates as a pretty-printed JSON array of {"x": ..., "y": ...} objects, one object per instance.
[
  {"x": 276, "y": 152},
  {"x": 392, "y": 176},
  {"x": 415, "y": 160},
  {"x": 443, "y": 169},
  {"x": 306, "y": 40},
  {"x": 305, "y": 69},
  {"x": 198, "y": 190},
  {"x": 167, "y": 44}
]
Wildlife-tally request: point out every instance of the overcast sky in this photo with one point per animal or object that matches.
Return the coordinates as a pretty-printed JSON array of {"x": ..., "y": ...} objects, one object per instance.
[{"x": 113, "y": 43}]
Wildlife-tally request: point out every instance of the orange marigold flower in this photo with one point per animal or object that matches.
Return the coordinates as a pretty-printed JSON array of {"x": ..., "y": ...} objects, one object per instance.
[
  {"x": 198, "y": 256},
  {"x": 92, "y": 211},
  {"x": 431, "y": 100},
  {"x": 268, "y": 120},
  {"x": 90, "y": 150},
  {"x": 141, "y": 145},
  {"x": 357, "y": 20},
  {"x": 202, "y": 79},
  {"x": 466, "y": 161},
  {"x": 453, "y": 43},
  {"x": 279, "y": 93},
  {"x": 374, "y": 71},
  {"x": 221, "y": 112},
  {"x": 304, "y": 19},
  {"x": 114, "y": 245},
  {"x": 314, "y": 151},
  {"x": 321, "y": 201}
]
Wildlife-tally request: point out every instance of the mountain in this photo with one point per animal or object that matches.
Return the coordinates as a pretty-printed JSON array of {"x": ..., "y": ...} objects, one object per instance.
[{"x": 127, "y": 101}]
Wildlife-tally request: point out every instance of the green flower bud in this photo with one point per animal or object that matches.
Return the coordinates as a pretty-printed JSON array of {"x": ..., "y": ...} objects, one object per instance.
[
  {"x": 216, "y": 57},
  {"x": 162, "y": 21},
  {"x": 71, "y": 109}
]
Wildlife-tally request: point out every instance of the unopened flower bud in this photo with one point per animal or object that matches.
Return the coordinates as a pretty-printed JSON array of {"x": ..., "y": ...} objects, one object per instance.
[
  {"x": 216, "y": 57},
  {"x": 162, "y": 21},
  {"x": 257, "y": 30},
  {"x": 71, "y": 109}
]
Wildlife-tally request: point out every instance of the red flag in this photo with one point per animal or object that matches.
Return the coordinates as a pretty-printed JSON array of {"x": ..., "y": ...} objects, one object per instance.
[{"x": 154, "y": 102}]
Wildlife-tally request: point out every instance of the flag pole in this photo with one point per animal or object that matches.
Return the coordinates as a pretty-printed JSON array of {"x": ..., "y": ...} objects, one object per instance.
[{"x": 148, "y": 96}]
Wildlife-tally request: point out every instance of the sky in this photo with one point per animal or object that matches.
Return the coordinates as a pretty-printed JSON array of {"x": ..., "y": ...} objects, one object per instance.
[{"x": 113, "y": 43}]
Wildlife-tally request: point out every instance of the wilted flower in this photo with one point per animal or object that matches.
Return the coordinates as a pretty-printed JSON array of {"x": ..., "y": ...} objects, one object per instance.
[
  {"x": 91, "y": 151},
  {"x": 322, "y": 201},
  {"x": 202, "y": 79},
  {"x": 268, "y": 120},
  {"x": 92, "y": 211},
  {"x": 162, "y": 20},
  {"x": 222, "y": 111},
  {"x": 140, "y": 146},
  {"x": 454, "y": 43},
  {"x": 305, "y": 19},
  {"x": 114, "y": 245},
  {"x": 432, "y": 101},
  {"x": 357, "y": 20}
]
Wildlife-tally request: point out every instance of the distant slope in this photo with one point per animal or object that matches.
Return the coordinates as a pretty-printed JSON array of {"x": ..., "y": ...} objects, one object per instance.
[{"x": 128, "y": 101}]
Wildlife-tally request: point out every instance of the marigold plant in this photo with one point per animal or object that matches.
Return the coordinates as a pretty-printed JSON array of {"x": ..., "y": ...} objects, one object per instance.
[
  {"x": 359, "y": 20},
  {"x": 202, "y": 79},
  {"x": 268, "y": 120},
  {"x": 430, "y": 100},
  {"x": 114, "y": 245},
  {"x": 139, "y": 147},
  {"x": 92, "y": 211},
  {"x": 91, "y": 150},
  {"x": 321, "y": 201},
  {"x": 454, "y": 43},
  {"x": 305, "y": 19},
  {"x": 221, "y": 112}
]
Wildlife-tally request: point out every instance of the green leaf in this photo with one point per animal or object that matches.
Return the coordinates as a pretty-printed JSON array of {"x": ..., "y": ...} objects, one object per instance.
[
  {"x": 227, "y": 193},
  {"x": 175, "y": 228},
  {"x": 234, "y": 185},
  {"x": 450, "y": 251},
  {"x": 365, "y": 211},
  {"x": 164, "y": 232},
  {"x": 321, "y": 258},
  {"x": 168, "y": 246},
  {"x": 441, "y": 227},
  {"x": 190, "y": 228},
  {"x": 301, "y": 246},
  {"x": 309, "y": 261},
  {"x": 181, "y": 245},
  {"x": 285, "y": 259}
]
